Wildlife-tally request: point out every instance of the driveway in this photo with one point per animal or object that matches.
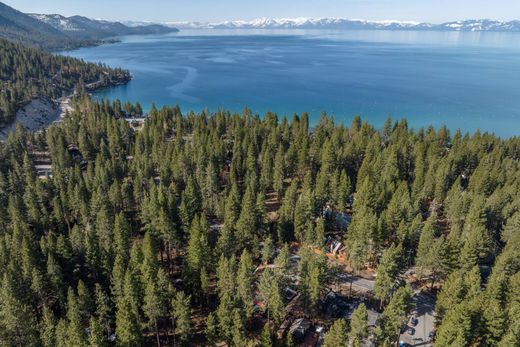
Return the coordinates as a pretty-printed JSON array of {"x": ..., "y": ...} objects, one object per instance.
[{"x": 424, "y": 312}]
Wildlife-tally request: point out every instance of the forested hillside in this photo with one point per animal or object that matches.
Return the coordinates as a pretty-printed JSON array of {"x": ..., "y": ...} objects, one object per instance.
[
  {"x": 59, "y": 33},
  {"x": 27, "y": 73},
  {"x": 19, "y": 27},
  {"x": 83, "y": 28},
  {"x": 150, "y": 235}
]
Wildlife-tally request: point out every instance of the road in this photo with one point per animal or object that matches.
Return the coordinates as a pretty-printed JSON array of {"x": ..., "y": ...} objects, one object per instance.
[
  {"x": 359, "y": 282},
  {"x": 424, "y": 311}
]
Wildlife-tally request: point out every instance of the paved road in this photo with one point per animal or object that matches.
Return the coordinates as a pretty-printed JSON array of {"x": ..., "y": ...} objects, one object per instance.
[
  {"x": 424, "y": 311},
  {"x": 359, "y": 282}
]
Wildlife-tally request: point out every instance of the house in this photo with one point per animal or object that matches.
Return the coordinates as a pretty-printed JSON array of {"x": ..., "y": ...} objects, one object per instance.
[
  {"x": 300, "y": 328},
  {"x": 334, "y": 305},
  {"x": 43, "y": 171},
  {"x": 373, "y": 315},
  {"x": 283, "y": 328},
  {"x": 289, "y": 294}
]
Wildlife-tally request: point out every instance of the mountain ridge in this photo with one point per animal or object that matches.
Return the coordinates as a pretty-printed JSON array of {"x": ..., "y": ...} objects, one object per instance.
[
  {"x": 95, "y": 29},
  {"x": 56, "y": 32},
  {"x": 344, "y": 23},
  {"x": 17, "y": 26}
]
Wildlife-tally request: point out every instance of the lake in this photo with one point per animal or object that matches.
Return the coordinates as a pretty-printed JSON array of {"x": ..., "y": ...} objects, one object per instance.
[{"x": 467, "y": 81}]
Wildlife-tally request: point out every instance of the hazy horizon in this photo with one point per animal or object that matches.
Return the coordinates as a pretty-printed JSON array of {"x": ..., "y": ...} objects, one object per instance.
[{"x": 207, "y": 11}]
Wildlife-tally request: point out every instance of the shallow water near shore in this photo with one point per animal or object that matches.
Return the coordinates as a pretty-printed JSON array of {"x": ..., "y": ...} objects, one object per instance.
[{"x": 464, "y": 80}]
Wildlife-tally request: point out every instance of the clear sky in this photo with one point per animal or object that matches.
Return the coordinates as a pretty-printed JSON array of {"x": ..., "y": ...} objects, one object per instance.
[{"x": 217, "y": 10}]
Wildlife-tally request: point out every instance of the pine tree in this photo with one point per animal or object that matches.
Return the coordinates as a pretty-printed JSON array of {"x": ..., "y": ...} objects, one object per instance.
[
  {"x": 279, "y": 173},
  {"x": 122, "y": 236},
  {"x": 387, "y": 273},
  {"x": 211, "y": 329},
  {"x": 459, "y": 326},
  {"x": 154, "y": 307},
  {"x": 495, "y": 322},
  {"x": 103, "y": 309},
  {"x": 265, "y": 338},
  {"x": 302, "y": 215},
  {"x": 245, "y": 281},
  {"x": 181, "y": 313},
  {"x": 337, "y": 335},
  {"x": 282, "y": 260},
  {"x": 75, "y": 328},
  {"x": 238, "y": 328},
  {"x": 395, "y": 315},
  {"x": 224, "y": 309},
  {"x": 267, "y": 250},
  {"x": 48, "y": 328},
  {"x": 96, "y": 338},
  {"x": 128, "y": 326},
  {"x": 198, "y": 252},
  {"x": 246, "y": 223},
  {"x": 270, "y": 291},
  {"x": 431, "y": 251},
  {"x": 358, "y": 326}
]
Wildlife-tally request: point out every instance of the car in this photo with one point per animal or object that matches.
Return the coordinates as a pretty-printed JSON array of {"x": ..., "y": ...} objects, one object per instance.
[
  {"x": 431, "y": 335},
  {"x": 414, "y": 321},
  {"x": 410, "y": 330},
  {"x": 403, "y": 329}
]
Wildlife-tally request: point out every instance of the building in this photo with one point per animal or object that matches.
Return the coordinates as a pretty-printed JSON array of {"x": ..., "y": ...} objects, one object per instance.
[{"x": 299, "y": 329}]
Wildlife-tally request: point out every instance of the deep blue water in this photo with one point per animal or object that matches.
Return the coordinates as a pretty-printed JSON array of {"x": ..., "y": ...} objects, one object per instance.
[{"x": 463, "y": 80}]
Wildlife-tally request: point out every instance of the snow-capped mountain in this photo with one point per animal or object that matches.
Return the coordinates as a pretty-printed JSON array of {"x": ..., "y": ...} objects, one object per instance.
[
  {"x": 481, "y": 25},
  {"x": 345, "y": 24},
  {"x": 86, "y": 28},
  {"x": 57, "y": 21}
]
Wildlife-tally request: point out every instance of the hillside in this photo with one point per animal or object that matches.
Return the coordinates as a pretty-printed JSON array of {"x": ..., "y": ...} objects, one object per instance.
[
  {"x": 83, "y": 28},
  {"x": 199, "y": 230},
  {"x": 26, "y": 74},
  {"x": 56, "y": 32},
  {"x": 17, "y": 26}
]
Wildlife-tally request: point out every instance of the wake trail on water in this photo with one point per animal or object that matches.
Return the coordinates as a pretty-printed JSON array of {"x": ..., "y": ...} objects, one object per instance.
[{"x": 178, "y": 90}]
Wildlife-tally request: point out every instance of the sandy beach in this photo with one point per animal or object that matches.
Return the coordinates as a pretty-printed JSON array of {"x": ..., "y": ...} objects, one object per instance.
[{"x": 38, "y": 114}]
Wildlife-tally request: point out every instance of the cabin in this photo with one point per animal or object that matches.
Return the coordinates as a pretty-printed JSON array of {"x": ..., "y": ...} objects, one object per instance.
[
  {"x": 299, "y": 329},
  {"x": 373, "y": 316},
  {"x": 289, "y": 294},
  {"x": 334, "y": 305}
]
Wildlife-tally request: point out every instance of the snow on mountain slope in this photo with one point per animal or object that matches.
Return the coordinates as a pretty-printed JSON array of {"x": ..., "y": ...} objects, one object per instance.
[
  {"x": 57, "y": 21},
  {"x": 94, "y": 29},
  {"x": 343, "y": 23}
]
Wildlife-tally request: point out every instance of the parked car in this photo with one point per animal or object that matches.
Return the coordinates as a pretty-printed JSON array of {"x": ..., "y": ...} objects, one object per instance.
[
  {"x": 410, "y": 331},
  {"x": 431, "y": 335},
  {"x": 414, "y": 321}
]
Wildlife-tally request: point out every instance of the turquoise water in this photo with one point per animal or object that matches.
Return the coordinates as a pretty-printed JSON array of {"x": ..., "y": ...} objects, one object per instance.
[{"x": 463, "y": 80}]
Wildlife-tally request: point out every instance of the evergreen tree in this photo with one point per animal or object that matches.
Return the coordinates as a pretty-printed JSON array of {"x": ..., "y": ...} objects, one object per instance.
[
  {"x": 128, "y": 329},
  {"x": 245, "y": 281},
  {"x": 75, "y": 327},
  {"x": 395, "y": 316},
  {"x": 211, "y": 329},
  {"x": 358, "y": 326},
  {"x": 181, "y": 313},
  {"x": 48, "y": 328},
  {"x": 154, "y": 307},
  {"x": 96, "y": 337},
  {"x": 387, "y": 273},
  {"x": 265, "y": 338},
  {"x": 337, "y": 335}
]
